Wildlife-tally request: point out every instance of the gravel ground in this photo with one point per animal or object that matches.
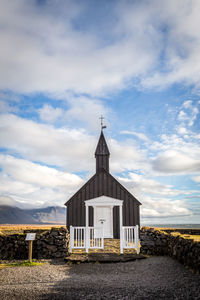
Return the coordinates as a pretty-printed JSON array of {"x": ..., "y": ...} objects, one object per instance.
[{"x": 152, "y": 278}]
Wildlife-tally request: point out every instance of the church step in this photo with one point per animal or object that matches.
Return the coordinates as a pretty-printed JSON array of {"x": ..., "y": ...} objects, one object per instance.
[{"x": 102, "y": 257}]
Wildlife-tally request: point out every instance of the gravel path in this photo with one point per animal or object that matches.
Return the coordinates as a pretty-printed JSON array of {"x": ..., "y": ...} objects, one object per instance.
[{"x": 152, "y": 278}]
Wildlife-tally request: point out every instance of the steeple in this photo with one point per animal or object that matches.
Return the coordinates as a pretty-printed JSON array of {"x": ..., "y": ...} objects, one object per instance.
[{"x": 102, "y": 153}]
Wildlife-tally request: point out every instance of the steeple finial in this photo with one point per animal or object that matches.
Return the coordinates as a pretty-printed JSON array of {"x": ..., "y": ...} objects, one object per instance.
[{"x": 102, "y": 126}]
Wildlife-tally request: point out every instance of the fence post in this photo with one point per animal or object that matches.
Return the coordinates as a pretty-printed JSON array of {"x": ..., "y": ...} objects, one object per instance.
[
  {"x": 102, "y": 238},
  {"x": 137, "y": 239},
  {"x": 87, "y": 238},
  {"x": 121, "y": 230},
  {"x": 71, "y": 238},
  {"x": 121, "y": 240}
]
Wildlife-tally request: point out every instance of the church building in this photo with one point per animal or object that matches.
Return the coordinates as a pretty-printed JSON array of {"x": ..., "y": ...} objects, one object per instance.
[{"x": 102, "y": 200}]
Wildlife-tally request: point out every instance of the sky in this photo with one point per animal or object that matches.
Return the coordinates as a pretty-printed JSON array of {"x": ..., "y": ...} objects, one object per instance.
[{"x": 64, "y": 64}]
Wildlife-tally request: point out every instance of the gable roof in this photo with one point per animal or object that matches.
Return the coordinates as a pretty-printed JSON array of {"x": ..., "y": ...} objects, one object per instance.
[{"x": 103, "y": 183}]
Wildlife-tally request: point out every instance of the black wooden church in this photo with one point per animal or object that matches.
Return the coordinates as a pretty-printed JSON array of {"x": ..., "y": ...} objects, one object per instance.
[{"x": 103, "y": 200}]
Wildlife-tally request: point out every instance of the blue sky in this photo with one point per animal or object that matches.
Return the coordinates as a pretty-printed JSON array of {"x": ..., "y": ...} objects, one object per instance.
[{"x": 66, "y": 63}]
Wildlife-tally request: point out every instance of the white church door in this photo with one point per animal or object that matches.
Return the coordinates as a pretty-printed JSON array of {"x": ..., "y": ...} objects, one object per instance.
[{"x": 103, "y": 217}]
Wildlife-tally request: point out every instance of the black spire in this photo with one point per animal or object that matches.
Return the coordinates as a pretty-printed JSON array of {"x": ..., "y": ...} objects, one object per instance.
[{"x": 102, "y": 154}]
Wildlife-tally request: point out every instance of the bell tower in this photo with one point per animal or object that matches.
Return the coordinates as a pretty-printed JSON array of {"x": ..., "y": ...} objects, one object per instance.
[{"x": 102, "y": 153}]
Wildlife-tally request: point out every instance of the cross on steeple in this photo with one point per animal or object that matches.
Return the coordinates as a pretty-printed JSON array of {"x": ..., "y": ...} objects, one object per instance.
[{"x": 102, "y": 126}]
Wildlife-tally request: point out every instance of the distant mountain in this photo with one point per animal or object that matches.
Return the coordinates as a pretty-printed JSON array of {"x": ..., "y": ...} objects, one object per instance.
[
  {"x": 50, "y": 214},
  {"x": 15, "y": 215}
]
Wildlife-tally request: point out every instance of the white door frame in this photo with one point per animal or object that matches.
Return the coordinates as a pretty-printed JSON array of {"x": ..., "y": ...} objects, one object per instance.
[
  {"x": 106, "y": 202},
  {"x": 111, "y": 216}
]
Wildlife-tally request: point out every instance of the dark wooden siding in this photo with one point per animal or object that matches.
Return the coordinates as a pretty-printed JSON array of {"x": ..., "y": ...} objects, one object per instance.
[
  {"x": 103, "y": 183},
  {"x": 102, "y": 161}
]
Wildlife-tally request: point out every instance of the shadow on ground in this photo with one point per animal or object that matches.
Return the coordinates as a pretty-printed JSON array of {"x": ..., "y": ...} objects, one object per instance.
[{"x": 153, "y": 278}]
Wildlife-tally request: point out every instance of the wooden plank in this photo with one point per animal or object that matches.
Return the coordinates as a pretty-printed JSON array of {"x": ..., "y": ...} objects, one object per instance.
[
  {"x": 131, "y": 212},
  {"x": 30, "y": 250},
  {"x": 87, "y": 192},
  {"x": 79, "y": 210}
]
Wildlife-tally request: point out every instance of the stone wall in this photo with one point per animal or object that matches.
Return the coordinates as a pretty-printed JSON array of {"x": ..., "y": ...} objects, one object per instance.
[
  {"x": 55, "y": 244},
  {"x": 153, "y": 242},
  {"x": 48, "y": 244},
  {"x": 156, "y": 242}
]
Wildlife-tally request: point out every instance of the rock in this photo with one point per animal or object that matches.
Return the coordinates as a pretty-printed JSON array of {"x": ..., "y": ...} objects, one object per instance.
[{"x": 48, "y": 244}]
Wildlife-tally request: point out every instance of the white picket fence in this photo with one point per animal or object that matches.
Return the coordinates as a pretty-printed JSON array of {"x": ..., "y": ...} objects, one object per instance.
[
  {"x": 130, "y": 238},
  {"x": 86, "y": 238},
  {"x": 77, "y": 238},
  {"x": 93, "y": 238}
]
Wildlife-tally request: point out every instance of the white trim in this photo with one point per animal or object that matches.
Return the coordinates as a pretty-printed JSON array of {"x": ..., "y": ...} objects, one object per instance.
[
  {"x": 120, "y": 229},
  {"x": 103, "y": 201}
]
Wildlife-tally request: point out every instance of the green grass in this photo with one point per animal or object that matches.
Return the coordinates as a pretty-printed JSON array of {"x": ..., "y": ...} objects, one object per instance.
[{"x": 25, "y": 263}]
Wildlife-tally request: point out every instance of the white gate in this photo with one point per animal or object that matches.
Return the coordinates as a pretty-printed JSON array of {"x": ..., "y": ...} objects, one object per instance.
[
  {"x": 93, "y": 238},
  {"x": 77, "y": 237},
  {"x": 130, "y": 238},
  {"x": 86, "y": 238}
]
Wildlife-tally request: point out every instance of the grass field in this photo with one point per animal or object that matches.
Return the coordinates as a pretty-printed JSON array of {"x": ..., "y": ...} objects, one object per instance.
[
  {"x": 196, "y": 238},
  {"x": 13, "y": 229}
]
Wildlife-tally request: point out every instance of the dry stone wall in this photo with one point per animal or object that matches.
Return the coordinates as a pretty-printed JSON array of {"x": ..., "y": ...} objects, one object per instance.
[
  {"x": 155, "y": 242},
  {"x": 48, "y": 244},
  {"x": 55, "y": 244}
]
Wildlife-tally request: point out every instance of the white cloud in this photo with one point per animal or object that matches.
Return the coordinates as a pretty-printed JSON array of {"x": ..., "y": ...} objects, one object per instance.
[
  {"x": 64, "y": 57},
  {"x": 75, "y": 110},
  {"x": 179, "y": 19},
  {"x": 5, "y": 107},
  {"x": 45, "y": 143},
  {"x": 196, "y": 179},
  {"x": 176, "y": 154},
  {"x": 141, "y": 136},
  {"x": 43, "y": 46},
  {"x": 8, "y": 102},
  {"x": 43, "y": 176},
  {"x": 182, "y": 116},
  {"x": 5, "y": 200},
  {"x": 190, "y": 115},
  {"x": 87, "y": 110},
  {"x": 172, "y": 161},
  {"x": 32, "y": 184},
  {"x": 187, "y": 104},
  {"x": 71, "y": 149},
  {"x": 126, "y": 156},
  {"x": 157, "y": 198},
  {"x": 140, "y": 185},
  {"x": 49, "y": 114},
  {"x": 182, "y": 130},
  {"x": 154, "y": 207}
]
